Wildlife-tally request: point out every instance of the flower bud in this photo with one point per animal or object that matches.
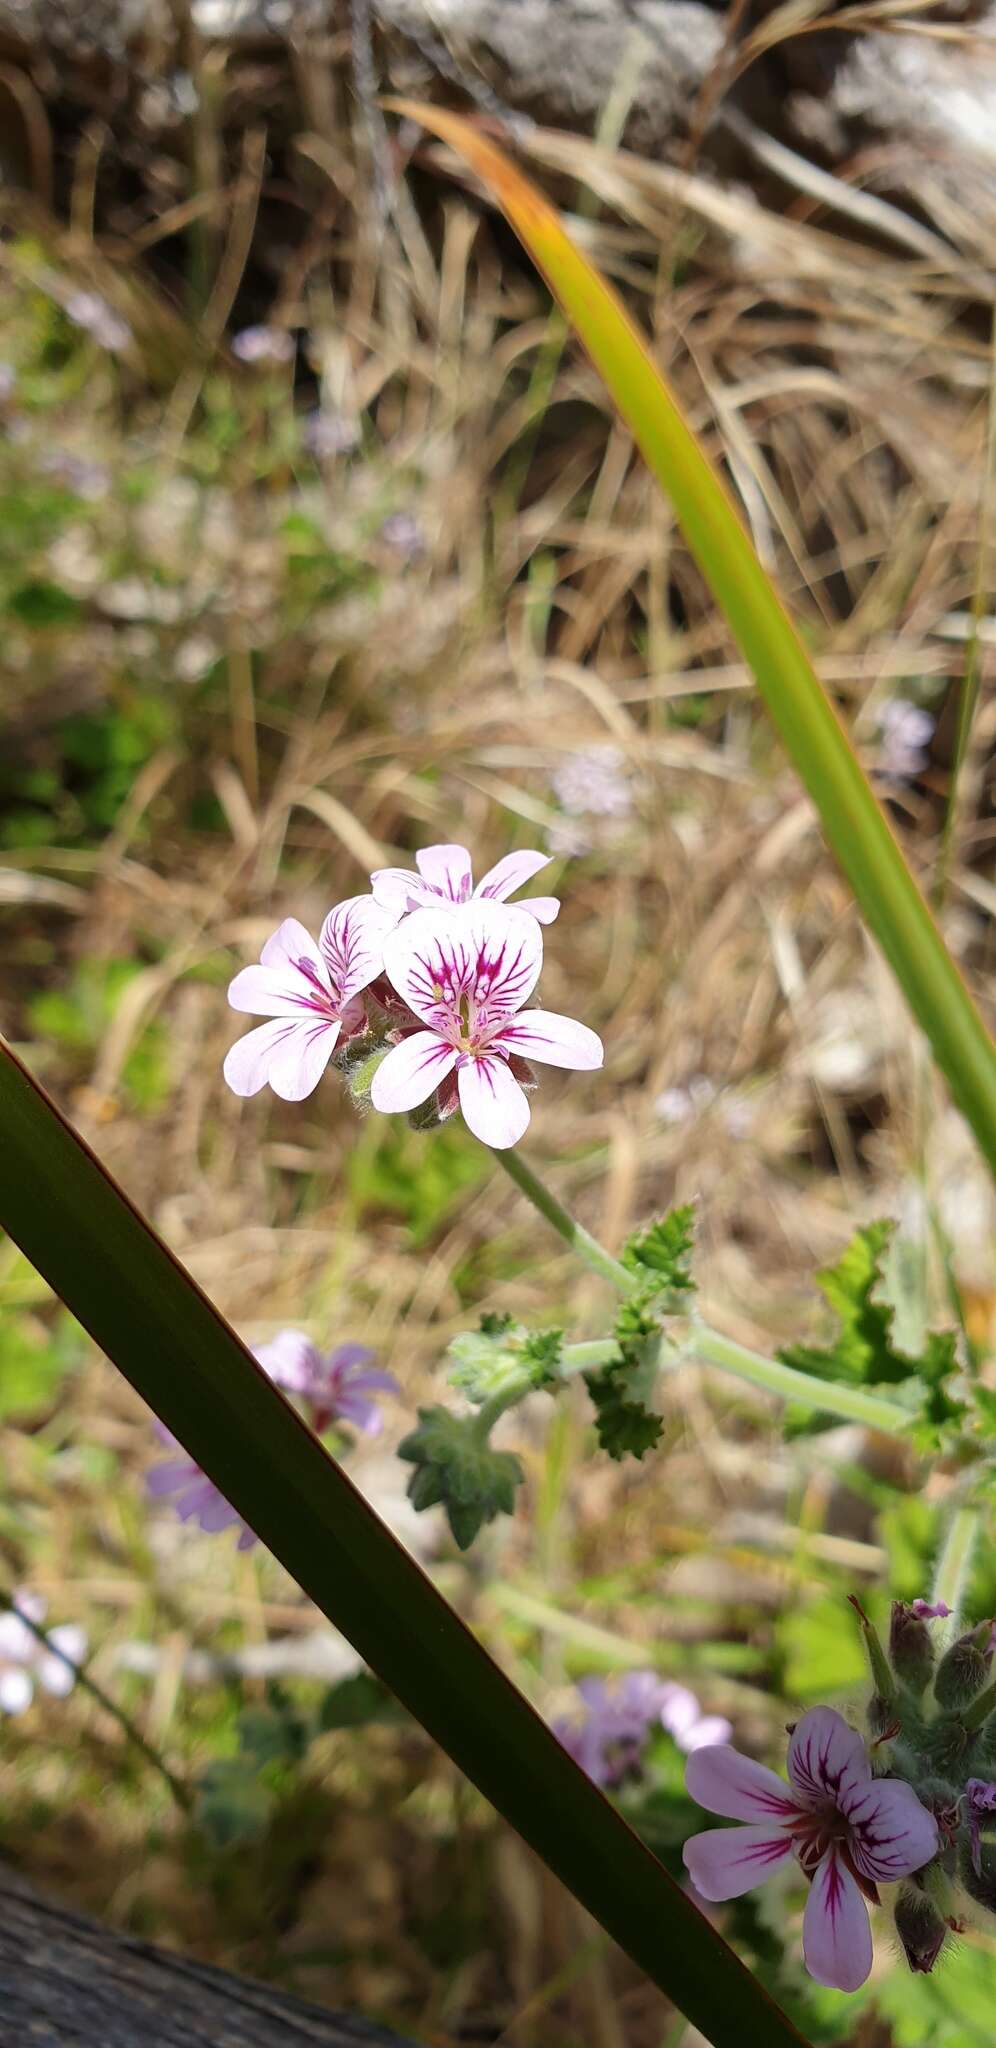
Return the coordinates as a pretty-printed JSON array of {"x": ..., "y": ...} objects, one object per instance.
[
  {"x": 964, "y": 1669},
  {"x": 911, "y": 1651},
  {"x": 920, "y": 1928}
]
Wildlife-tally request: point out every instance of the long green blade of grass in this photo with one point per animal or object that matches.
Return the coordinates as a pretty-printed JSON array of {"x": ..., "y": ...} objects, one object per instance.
[
  {"x": 855, "y": 825},
  {"x": 124, "y": 1285}
]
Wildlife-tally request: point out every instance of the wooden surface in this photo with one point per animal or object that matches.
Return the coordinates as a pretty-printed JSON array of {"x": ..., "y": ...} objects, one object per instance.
[{"x": 65, "y": 1982}]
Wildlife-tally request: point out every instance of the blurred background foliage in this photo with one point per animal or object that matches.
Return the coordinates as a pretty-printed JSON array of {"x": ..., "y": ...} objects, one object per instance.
[{"x": 267, "y": 623}]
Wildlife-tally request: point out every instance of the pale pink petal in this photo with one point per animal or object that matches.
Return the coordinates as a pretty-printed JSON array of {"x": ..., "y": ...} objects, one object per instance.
[
  {"x": 553, "y": 1040},
  {"x": 482, "y": 957},
  {"x": 352, "y": 944},
  {"x": 494, "y": 1106},
  {"x": 891, "y": 1833},
  {"x": 169, "y": 1476},
  {"x": 727, "y": 1862},
  {"x": 16, "y": 1692},
  {"x": 446, "y": 869},
  {"x": 705, "y": 1734},
  {"x": 545, "y": 908},
  {"x": 836, "y": 1936},
  {"x": 512, "y": 873},
  {"x": 289, "y": 1054},
  {"x": 280, "y": 991},
  {"x": 290, "y": 943},
  {"x": 826, "y": 1758},
  {"x": 725, "y": 1782},
  {"x": 398, "y": 890},
  {"x": 411, "y": 1071},
  {"x": 290, "y": 1360}
]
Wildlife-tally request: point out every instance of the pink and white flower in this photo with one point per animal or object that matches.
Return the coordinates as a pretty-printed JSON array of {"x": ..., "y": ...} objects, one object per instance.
[
  {"x": 467, "y": 974},
  {"x": 26, "y": 1658},
  {"x": 848, "y": 1829},
  {"x": 445, "y": 876},
  {"x": 337, "y": 1386},
  {"x": 311, "y": 994}
]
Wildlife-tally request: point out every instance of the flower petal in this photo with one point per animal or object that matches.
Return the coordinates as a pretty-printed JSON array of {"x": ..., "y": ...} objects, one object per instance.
[
  {"x": 494, "y": 1106},
  {"x": 706, "y": 1734},
  {"x": 412, "y": 1070},
  {"x": 291, "y": 1054},
  {"x": 16, "y": 1692},
  {"x": 826, "y": 1759},
  {"x": 544, "y": 908},
  {"x": 554, "y": 1040},
  {"x": 488, "y": 953},
  {"x": 836, "y": 1935},
  {"x": 726, "y": 1862},
  {"x": 280, "y": 991},
  {"x": 290, "y": 943},
  {"x": 725, "y": 1782},
  {"x": 352, "y": 944},
  {"x": 399, "y": 890},
  {"x": 290, "y": 1360},
  {"x": 512, "y": 873},
  {"x": 891, "y": 1833},
  {"x": 448, "y": 870}
]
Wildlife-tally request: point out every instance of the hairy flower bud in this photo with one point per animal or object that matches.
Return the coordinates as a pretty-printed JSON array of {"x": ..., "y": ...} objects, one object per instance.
[
  {"x": 911, "y": 1651},
  {"x": 964, "y": 1669},
  {"x": 920, "y": 1928}
]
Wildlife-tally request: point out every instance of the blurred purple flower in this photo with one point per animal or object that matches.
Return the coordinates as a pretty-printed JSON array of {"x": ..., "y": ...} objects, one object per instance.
[
  {"x": 925, "y": 1612},
  {"x": 268, "y": 346},
  {"x": 608, "y": 1741},
  {"x": 402, "y": 532},
  {"x": 88, "y": 480},
  {"x": 25, "y": 1659},
  {"x": 335, "y": 1386},
  {"x": 93, "y": 314},
  {"x": 195, "y": 1497},
  {"x": 326, "y": 433},
  {"x": 905, "y": 732}
]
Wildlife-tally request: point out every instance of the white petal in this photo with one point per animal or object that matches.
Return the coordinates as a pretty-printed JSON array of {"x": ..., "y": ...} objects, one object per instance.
[
  {"x": 16, "y": 1691},
  {"x": 826, "y": 1759},
  {"x": 836, "y": 1936},
  {"x": 411, "y": 1071},
  {"x": 727, "y": 1862},
  {"x": 289, "y": 1055},
  {"x": 448, "y": 869},
  {"x": 545, "y": 908},
  {"x": 487, "y": 952},
  {"x": 557, "y": 1041},
  {"x": 511, "y": 873},
  {"x": 290, "y": 943},
  {"x": 398, "y": 890},
  {"x": 725, "y": 1782},
  {"x": 352, "y": 943},
  {"x": 493, "y": 1104},
  {"x": 277, "y": 991}
]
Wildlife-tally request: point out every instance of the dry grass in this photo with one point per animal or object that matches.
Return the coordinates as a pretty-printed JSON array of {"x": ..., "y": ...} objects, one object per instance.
[{"x": 551, "y": 610}]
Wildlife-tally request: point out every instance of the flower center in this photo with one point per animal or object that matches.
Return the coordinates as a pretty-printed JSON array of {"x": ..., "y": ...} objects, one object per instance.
[{"x": 318, "y": 997}]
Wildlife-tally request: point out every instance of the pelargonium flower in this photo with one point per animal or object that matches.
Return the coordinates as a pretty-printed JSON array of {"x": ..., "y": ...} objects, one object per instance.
[
  {"x": 269, "y": 345},
  {"x": 445, "y": 875},
  {"x": 195, "y": 1497},
  {"x": 466, "y": 974},
  {"x": 609, "y": 1738},
  {"x": 848, "y": 1829},
  {"x": 311, "y": 995},
  {"x": 25, "y": 1659},
  {"x": 335, "y": 1386}
]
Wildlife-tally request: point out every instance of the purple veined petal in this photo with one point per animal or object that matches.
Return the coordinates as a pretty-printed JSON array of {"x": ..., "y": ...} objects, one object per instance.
[
  {"x": 411, "y": 1071},
  {"x": 493, "y": 1104},
  {"x": 705, "y": 1734},
  {"x": 398, "y": 890},
  {"x": 289, "y": 944},
  {"x": 467, "y": 968},
  {"x": 295, "y": 1057},
  {"x": 725, "y": 1782},
  {"x": 290, "y": 1360},
  {"x": 512, "y": 873},
  {"x": 553, "y": 1040},
  {"x": 282, "y": 992},
  {"x": 727, "y": 1862},
  {"x": 891, "y": 1833},
  {"x": 352, "y": 943},
  {"x": 826, "y": 1758},
  {"x": 16, "y": 1692},
  {"x": 359, "y": 1410},
  {"x": 836, "y": 1934},
  {"x": 447, "y": 870}
]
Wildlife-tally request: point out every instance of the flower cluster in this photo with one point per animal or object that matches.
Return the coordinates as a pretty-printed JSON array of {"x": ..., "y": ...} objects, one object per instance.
[
  {"x": 423, "y": 986},
  {"x": 27, "y": 1658},
  {"x": 609, "y": 1738},
  {"x": 912, "y": 1805},
  {"x": 333, "y": 1387}
]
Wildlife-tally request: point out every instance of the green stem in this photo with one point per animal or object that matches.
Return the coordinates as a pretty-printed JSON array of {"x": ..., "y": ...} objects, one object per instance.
[
  {"x": 88, "y": 1684},
  {"x": 955, "y": 1561},
  {"x": 574, "y": 1234},
  {"x": 853, "y": 1404},
  {"x": 575, "y": 1358}
]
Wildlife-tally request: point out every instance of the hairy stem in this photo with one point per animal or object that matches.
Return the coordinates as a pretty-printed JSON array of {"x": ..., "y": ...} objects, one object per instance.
[
  {"x": 955, "y": 1561},
  {"x": 573, "y": 1233},
  {"x": 574, "y": 1359}
]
